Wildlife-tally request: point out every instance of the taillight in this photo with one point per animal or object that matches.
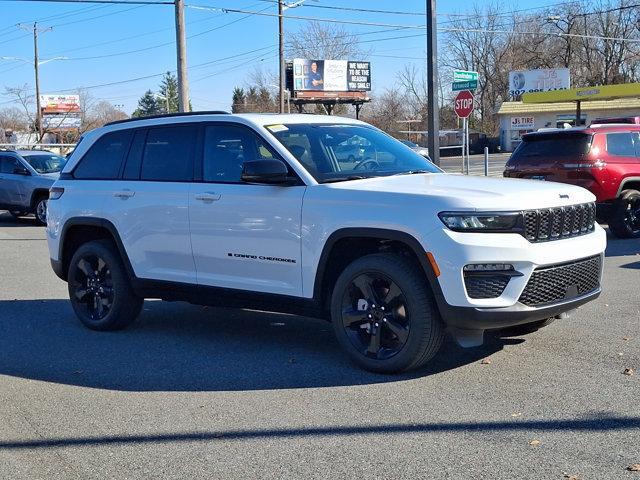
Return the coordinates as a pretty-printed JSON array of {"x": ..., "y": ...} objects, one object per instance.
[{"x": 55, "y": 193}]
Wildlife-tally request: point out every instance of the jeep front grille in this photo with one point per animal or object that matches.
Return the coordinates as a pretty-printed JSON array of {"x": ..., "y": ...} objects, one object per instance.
[
  {"x": 561, "y": 282},
  {"x": 557, "y": 223}
]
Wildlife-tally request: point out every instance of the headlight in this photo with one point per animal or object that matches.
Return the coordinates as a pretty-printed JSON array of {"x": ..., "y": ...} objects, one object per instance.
[{"x": 482, "y": 222}]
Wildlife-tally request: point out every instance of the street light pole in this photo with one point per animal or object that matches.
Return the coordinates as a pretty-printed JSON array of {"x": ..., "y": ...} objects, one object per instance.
[
  {"x": 281, "y": 67},
  {"x": 433, "y": 111},
  {"x": 35, "y": 63},
  {"x": 36, "y": 66}
]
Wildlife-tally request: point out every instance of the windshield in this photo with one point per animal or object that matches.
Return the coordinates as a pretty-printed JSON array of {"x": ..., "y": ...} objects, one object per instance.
[
  {"x": 338, "y": 152},
  {"x": 46, "y": 163}
]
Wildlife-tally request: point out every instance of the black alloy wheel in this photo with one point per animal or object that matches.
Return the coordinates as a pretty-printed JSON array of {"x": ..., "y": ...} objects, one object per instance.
[
  {"x": 375, "y": 315},
  {"x": 625, "y": 218},
  {"x": 384, "y": 314},
  {"x": 632, "y": 215},
  {"x": 99, "y": 287},
  {"x": 93, "y": 286}
]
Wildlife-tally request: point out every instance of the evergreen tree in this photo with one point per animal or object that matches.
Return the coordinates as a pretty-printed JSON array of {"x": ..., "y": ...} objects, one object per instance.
[
  {"x": 147, "y": 105},
  {"x": 238, "y": 101},
  {"x": 169, "y": 93}
]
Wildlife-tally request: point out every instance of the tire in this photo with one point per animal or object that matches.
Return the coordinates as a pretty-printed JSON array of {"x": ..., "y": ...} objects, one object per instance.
[
  {"x": 40, "y": 210},
  {"x": 404, "y": 330},
  {"x": 104, "y": 301},
  {"x": 526, "y": 328},
  {"x": 625, "y": 217}
]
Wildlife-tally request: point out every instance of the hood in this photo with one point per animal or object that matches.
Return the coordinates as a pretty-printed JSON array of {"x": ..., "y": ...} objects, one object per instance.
[
  {"x": 475, "y": 192},
  {"x": 52, "y": 176}
]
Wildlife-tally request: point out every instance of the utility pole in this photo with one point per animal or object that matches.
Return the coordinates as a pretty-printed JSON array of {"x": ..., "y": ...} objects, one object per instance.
[
  {"x": 281, "y": 67},
  {"x": 433, "y": 142},
  {"x": 181, "y": 45},
  {"x": 36, "y": 66}
]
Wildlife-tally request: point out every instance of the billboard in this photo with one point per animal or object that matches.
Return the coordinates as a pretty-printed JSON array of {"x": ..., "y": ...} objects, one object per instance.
[
  {"x": 52, "y": 103},
  {"x": 543, "y": 80},
  {"x": 61, "y": 121},
  {"x": 330, "y": 76}
]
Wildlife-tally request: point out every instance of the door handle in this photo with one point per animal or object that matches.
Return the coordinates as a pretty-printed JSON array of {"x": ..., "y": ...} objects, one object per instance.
[
  {"x": 124, "y": 194},
  {"x": 208, "y": 196}
]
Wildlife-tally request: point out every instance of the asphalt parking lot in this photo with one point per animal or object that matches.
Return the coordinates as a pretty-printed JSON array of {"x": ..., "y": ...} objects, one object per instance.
[{"x": 193, "y": 392}]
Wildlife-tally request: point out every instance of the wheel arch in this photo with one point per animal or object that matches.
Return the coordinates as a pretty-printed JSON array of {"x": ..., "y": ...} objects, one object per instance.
[
  {"x": 363, "y": 241},
  {"x": 629, "y": 183},
  {"x": 37, "y": 194},
  {"x": 79, "y": 230}
]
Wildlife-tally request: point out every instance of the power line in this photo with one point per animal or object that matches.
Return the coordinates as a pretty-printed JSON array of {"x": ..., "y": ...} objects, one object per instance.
[
  {"x": 421, "y": 27},
  {"x": 116, "y": 2}
]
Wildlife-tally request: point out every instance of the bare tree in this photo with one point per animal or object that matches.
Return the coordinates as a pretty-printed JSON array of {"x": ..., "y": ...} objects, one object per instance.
[
  {"x": 14, "y": 119},
  {"x": 320, "y": 41}
]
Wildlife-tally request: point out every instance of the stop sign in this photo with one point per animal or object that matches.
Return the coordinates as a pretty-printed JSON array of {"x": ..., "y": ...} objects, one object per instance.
[{"x": 463, "y": 105}]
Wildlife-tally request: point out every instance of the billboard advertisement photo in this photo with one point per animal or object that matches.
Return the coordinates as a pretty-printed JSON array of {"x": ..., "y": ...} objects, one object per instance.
[
  {"x": 543, "y": 80},
  {"x": 331, "y": 75}
]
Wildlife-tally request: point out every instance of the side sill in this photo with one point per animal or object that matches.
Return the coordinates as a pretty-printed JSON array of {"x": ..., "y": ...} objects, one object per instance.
[{"x": 227, "y": 297}]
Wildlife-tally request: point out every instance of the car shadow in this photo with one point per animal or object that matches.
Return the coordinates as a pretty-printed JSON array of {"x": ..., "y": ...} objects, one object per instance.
[
  {"x": 8, "y": 220},
  {"x": 182, "y": 347}
]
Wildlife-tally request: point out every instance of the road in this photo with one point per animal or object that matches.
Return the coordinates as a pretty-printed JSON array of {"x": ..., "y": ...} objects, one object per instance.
[
  {"x": 476, "y": 164},
  {"x": 192, "y": 392}
]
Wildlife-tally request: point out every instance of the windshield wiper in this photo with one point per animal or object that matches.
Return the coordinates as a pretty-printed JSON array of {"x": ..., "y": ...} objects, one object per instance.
[
  {"x": 410, "y": 172},
  {"x": 344, "y": 179}
]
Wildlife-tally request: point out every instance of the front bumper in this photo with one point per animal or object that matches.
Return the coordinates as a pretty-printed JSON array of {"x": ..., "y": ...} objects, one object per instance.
[{"x": 470, "y": 318}]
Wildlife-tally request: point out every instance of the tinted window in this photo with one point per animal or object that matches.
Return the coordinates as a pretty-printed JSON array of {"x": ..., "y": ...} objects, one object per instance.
[
  {"x": 103, "y": 160},
  {"x": 226, "y": 148},
  {"x": 621, "y": 144},
  {"x": 168, "y": 154},
  {"x": 8, "y": 164},
  {"x": 134, "y": 159},
  {"x": 549, "y": 146},
  {"x": 336, "y": 152}
]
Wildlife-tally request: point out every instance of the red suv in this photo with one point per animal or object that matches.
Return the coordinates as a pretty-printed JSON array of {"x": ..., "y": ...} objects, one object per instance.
[{"x": 604, "y": 159}]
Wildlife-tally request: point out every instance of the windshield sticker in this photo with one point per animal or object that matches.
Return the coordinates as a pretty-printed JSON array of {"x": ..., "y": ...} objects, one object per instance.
[{"x": 277, "y": 128}]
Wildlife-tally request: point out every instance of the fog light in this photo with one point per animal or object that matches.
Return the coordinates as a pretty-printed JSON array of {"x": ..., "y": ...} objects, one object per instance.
[{"x": 488, "y": 267}]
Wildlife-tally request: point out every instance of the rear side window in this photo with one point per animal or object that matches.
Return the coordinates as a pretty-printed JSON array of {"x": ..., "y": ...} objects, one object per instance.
[
  {"x": 560, "y": 146},
  {"x": 621, "y": 144},
  {"x": 168, "y": 154},
  {"x": 8, "y": 164},
  {"x": 103, "y": 159}
]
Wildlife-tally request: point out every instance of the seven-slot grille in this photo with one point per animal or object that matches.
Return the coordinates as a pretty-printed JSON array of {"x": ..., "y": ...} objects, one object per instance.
[
  {"x": 562, "y": 222},
  {"x": 562, "y": 282}
]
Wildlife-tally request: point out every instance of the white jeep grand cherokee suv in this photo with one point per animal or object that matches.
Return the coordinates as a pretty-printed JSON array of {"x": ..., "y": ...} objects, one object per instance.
[{"x": 269, "y": 212}]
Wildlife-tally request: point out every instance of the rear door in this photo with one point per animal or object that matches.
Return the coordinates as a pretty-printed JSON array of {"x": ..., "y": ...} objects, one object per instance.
[
  {"x": 244, "y": 236},
  {"x": 149, "y": 203}
]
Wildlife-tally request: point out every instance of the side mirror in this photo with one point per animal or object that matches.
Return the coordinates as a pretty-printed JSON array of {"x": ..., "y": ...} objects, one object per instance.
[
  {"x": 21, "y": 171},
  {"x": 271, "y": 172}
]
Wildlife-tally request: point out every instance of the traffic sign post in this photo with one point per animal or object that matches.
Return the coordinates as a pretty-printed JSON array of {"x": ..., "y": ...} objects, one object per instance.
[{"x": 463, "y": 106}]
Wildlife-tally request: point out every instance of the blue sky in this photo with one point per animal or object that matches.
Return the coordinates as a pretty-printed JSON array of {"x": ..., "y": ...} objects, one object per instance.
[{"x": 83, "y": 31}]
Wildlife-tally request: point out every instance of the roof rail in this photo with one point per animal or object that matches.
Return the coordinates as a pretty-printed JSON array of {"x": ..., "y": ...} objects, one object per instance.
[
  {"x": 596, "y": 124},
  {"x": 168, "y": 115}
]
